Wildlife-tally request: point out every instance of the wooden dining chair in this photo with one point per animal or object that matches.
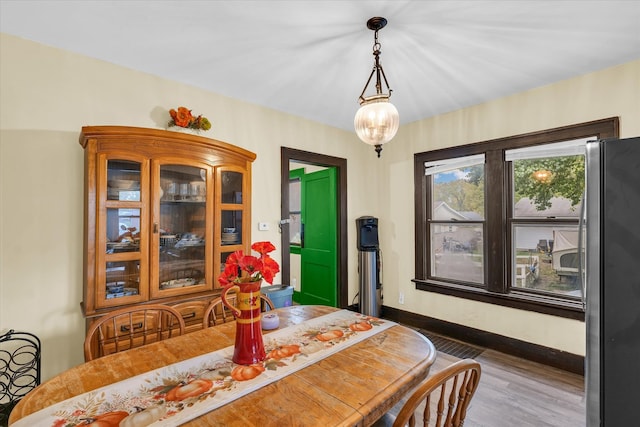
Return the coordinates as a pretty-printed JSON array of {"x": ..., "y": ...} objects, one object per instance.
[
  {"x": 445, "y": 397},
  {"x": 217, "y": 313},
  {"x": 192, "y": 313},
  {"x": 131, "y": 327}
]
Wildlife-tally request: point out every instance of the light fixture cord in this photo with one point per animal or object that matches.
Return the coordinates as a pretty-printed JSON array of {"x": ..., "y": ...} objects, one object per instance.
[{"x": 377, "y": 69}]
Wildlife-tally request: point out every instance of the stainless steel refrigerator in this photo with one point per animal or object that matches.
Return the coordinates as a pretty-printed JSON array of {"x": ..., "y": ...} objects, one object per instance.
[{"x": 612, "y": 223}]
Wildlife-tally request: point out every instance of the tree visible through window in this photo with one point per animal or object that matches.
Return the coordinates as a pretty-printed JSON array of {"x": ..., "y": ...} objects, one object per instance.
[
  {"x": 499, "y": 220},
  {"x": 548, "y": 188},
  {"x": 456, "y": 230}
]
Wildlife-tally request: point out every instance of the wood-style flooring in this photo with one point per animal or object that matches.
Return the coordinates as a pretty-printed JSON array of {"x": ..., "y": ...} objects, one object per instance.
[{"x": 517, "y": 392}]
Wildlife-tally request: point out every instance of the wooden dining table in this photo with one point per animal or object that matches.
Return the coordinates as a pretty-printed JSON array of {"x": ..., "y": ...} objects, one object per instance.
[{"x": 353, "y": 387}]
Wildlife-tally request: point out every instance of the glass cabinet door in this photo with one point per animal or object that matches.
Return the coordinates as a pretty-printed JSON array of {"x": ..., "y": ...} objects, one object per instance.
[
  {"x": 233, "y": 214},
  {"x": 119, "y": 278},
  {"x": 182, "y": 230}
]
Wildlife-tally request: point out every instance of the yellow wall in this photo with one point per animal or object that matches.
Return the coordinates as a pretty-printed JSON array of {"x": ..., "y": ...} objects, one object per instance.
[
  {"x": 47, "y": 95},
  {"x": 608, "y": 93}
]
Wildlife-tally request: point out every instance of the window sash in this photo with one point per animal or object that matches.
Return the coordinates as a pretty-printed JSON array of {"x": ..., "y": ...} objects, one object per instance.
[
  {"x": 523, "y": 231},
  {"x": 558, "y": 149},
  {"x": 445, "y": 165}
]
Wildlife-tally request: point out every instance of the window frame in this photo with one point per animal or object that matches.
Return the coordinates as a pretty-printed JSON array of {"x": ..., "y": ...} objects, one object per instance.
[
  {"x": 444, "y": 166},
  {"x": 497, "y": 233},
  {"x": 295, "y": 175}
]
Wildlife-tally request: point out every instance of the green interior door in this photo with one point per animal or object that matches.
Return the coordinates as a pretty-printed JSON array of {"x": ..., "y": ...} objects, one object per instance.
[{"x": 319, "y": 251}]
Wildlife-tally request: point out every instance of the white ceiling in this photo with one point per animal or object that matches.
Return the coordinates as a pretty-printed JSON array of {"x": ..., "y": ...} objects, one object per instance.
[{"x": 312, "y": 58}]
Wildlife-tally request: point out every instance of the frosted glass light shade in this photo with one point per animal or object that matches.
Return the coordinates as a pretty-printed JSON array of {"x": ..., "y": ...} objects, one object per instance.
[{"x": 377, "y": 121}]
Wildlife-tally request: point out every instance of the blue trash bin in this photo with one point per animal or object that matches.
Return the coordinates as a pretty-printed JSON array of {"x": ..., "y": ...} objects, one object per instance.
[{"x": 280, "y": 295}]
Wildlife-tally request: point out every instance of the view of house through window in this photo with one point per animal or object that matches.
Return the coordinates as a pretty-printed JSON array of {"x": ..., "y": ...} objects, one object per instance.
[
  {"x": 547, "y": 183},
  {"x": 456, "y": 228},
  {"x": 500, "y": 220},
  {"x": 547, "y": 192}
]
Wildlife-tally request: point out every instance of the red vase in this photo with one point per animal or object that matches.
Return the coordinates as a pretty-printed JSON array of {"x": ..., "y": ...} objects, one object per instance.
[{"x": 249, "y": 348}]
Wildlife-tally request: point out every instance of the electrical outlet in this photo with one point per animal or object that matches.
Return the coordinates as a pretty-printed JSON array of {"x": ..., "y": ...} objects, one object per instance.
[{"x": 401, "y": 298}]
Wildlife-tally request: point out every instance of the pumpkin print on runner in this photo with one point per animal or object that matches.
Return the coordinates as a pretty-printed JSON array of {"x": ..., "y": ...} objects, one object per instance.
[{"x": 180, "y": 392}]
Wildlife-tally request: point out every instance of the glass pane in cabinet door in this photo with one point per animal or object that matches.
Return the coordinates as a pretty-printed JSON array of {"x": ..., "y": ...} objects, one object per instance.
[
  {"x": 123, "y": 180},
  {"x": 182, "y": 226},
  {"x": 231, "y": 187},
  {"x": 180, "y": 183},
  {"x": 231, "y": 227},
  {"x": 223, "y": 259},
  {"x": 123, "y": 279},
  {"x": 123, "y": 230}
]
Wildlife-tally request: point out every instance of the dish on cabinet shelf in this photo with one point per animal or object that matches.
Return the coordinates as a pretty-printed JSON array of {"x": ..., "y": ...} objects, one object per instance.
[
  {"x": 123, "y": 184},
  {"x": 190, "y": 239},
  {"x": 115, "y": 287},
  {"x": 168, "y": 240},
  {"x": 178, "y": 283},
  {"x": 189, "y": 243},
  {"x": 124, "y": 293},
  {"x": 230, "y": 237},
  {"x": 122, "y": 246}
]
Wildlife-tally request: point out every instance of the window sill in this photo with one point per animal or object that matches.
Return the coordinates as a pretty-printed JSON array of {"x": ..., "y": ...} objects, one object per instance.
[{"x": 515, "y": 299}]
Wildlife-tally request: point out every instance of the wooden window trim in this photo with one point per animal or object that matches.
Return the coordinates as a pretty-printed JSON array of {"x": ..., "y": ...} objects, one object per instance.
[{"x": 496, "y": 289}]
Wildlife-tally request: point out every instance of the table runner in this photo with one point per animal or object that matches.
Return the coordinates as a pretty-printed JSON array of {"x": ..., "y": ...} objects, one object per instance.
[{"x": 180, "y": 392}]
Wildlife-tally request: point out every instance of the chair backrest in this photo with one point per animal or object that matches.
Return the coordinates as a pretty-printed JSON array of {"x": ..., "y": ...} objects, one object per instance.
[
  {"x": 267, "y": 304},
  {"x": 192, "y": 312},
  {"x": 217, "y": 313},
  {"x": 446, "y": 396},
  {"x": 20, "y": 355},
  {"x": 131, "y": 327}
]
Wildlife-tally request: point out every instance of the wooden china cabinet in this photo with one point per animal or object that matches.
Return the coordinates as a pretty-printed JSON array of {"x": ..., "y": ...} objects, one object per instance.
[{"x": 163, "y": 210}]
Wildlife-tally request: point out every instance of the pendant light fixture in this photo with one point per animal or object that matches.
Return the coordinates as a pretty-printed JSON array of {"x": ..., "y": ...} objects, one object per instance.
[{"x": 377, "y": 120}]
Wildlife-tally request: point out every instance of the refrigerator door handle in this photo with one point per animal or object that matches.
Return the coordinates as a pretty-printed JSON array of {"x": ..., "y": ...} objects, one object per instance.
[{"x": 582, "y": 250}]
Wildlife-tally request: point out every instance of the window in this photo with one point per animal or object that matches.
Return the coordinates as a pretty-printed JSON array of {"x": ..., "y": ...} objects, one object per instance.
[
  {"x": 456, "y": 228},
  {"x": 548, "y": 183},
  {"x": 295, "y": 208},
  {"x": 498, "y": 221}
]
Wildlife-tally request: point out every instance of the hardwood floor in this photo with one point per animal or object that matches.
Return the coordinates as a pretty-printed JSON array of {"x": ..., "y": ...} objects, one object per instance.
[{"x": 517, "y": 392}]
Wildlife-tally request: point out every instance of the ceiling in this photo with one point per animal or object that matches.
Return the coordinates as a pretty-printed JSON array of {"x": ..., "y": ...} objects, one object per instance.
[{"x": 313, "y": 58}]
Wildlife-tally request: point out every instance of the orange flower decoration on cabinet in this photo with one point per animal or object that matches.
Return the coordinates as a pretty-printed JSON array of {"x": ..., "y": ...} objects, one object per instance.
[{"x": 183, "y": 118}]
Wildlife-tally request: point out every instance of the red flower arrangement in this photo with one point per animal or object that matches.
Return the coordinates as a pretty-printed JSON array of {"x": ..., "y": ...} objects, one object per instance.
[
  {"x": 248, "y": 268},
  {"x": 183, "y": 118}
]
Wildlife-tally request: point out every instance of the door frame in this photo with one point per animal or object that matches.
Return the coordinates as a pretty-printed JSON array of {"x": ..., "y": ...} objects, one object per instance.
[{"x": 300, "y": 156}]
